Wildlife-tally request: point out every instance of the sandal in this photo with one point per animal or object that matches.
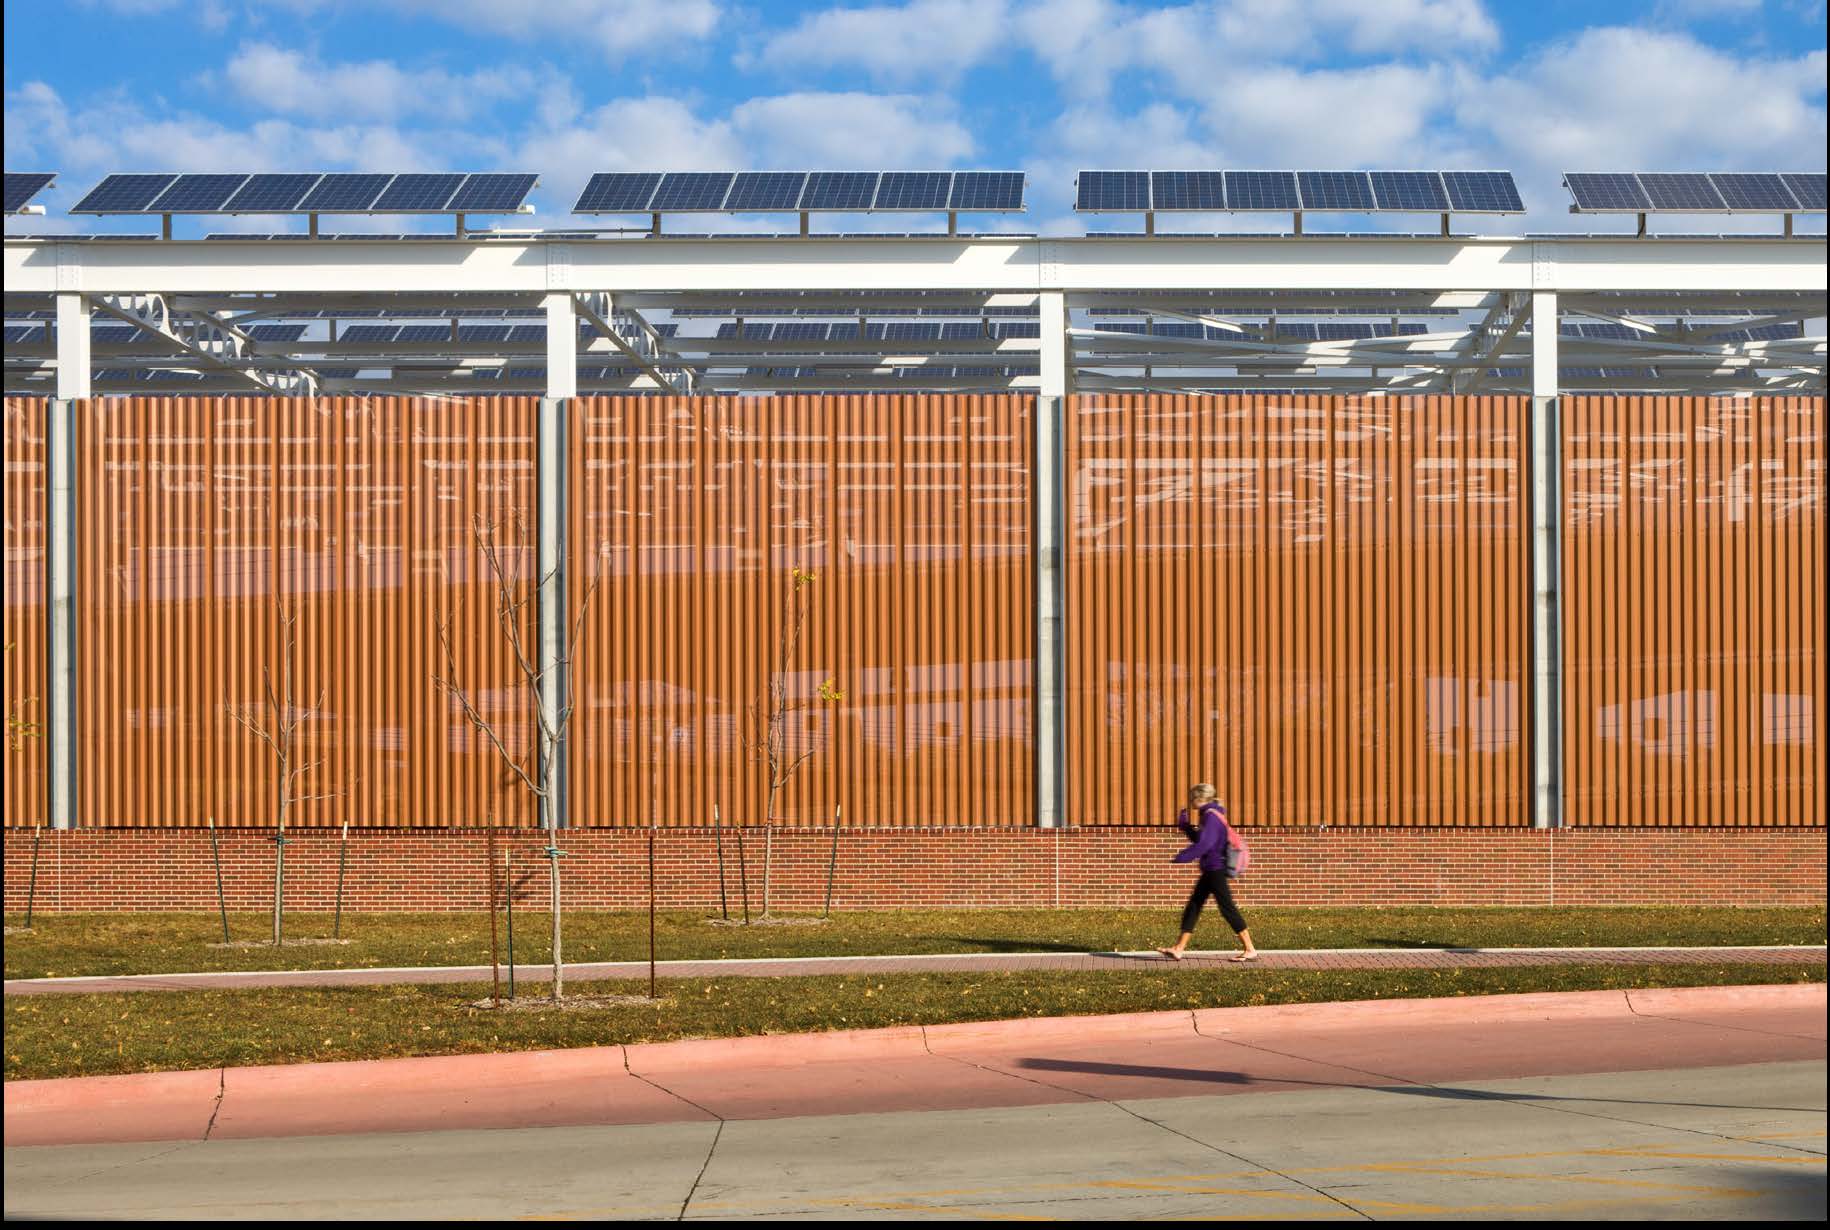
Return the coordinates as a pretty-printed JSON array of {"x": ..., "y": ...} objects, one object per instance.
[{"x": 1171, "y": 953}]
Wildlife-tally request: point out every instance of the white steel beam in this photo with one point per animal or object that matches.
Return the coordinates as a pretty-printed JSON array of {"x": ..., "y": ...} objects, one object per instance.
[
  {"x": 975, "y": 265},
  {"x": 73, "y": 373}
]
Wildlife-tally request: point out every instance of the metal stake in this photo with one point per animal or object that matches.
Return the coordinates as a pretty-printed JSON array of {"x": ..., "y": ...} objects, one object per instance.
[
  {"x": 832, "y": 862},
  {"x": 495, "y": 953},
  {"x": 743, "y": 876},
  {"x": 724, "y": 906},
  {"x": 508, "y": 893},
  {"x": 279, "y": 889},
  {"x": 336, "y": 931},
  {"x": 31, "y": 892},
  {"x": 222, "y": 905},
  {"x": 651, "y": 913}
]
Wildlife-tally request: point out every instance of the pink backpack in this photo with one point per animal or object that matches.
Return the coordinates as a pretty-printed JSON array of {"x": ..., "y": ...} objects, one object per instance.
[{"x": 1238, "y": 858}]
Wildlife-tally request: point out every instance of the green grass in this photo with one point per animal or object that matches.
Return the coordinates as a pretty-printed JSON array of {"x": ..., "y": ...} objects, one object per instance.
[
  {"x": 87, "y": 1035},
  {"x": 89, "y": 944}
]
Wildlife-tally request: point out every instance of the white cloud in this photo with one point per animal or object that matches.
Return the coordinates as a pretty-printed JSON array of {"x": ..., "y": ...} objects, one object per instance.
[
  {"x": 1088, "y": 42},
  {"x": 841, "y": 131},
  {"x": 291, "y": 83},
  {"x": 926, "y": 39},
  {"x": 1633, "y": 99},
  {"x": 620, "y": 29}
]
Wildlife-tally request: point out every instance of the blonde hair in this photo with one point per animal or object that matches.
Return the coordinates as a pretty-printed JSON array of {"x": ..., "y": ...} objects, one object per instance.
[{"x": 1200, "y": 792}]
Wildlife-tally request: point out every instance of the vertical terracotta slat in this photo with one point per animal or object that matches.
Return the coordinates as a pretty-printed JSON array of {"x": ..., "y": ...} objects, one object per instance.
[
  {"x": 1337, "y": 604},
  {"x": 1695, "y": 645},
  {"x": 26, "y": 632}
]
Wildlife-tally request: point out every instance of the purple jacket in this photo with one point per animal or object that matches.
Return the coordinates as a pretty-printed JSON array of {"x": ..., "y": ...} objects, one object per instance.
[{"x": 1209, "y": 842}]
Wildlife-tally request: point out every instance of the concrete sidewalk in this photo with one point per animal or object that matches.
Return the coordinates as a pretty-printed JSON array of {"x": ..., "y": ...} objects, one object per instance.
[
  {"x": 948, "y": 963},
  {"x": 1050, "y": 1061}
]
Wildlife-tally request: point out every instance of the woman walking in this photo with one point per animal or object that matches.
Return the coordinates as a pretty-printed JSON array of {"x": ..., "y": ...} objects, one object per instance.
[{"x": 1208, "y": 844}]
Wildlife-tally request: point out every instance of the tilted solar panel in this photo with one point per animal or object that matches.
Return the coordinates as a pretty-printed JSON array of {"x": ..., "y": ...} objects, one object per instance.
[
  {"x": 766, "y": 191},
  {"x": 1754, "y": 193},
  {"x": 1807, "y": 189},
  {"x": 992, "y": 191},
  {"x": 914, "y": 189},
  {"x": 1410, "y": 191},
  {"x": 1347, "y": 191},
  {"x": 1254, "y": 191},
  {"x": 347, "y": 192},
  {"x": 617, "y": 192},
  {"x": 196, "y": 194},
  {"x": 1192, "y": 190},
  {"x": 492, "y": 193},
  {"x": 418, "y": 193},
  {"x": 1606, "y": 192},
  {"x": 22, "y": 186},
  {"x": 839, "y": 190},
  {"x": 270, "y": 194},
  {"x": 1098, "y": 191},
  {"x": 1482, "y": 192},
  {"x": 692, "y": 191},
  {"x": 123, "y": 194},
  {"x": 1688, "y": 190}
]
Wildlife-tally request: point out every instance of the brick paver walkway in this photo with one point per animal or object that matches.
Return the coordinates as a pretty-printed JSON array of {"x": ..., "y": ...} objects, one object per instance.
[{"x": 950, "y": 963}]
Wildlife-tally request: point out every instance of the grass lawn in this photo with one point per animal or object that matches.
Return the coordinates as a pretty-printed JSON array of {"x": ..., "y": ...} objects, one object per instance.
[
  {"x": 87, "y": 1035},
  {"x": 88, "y": 944}
]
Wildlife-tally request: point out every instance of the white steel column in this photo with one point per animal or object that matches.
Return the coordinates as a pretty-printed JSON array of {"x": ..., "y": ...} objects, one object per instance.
[
  {"x": 1048, "y": 478},
  {"x": 561, "y": 345},
  {"x": 1546, "y": 568},
  {"x": 60, "y": 556}
]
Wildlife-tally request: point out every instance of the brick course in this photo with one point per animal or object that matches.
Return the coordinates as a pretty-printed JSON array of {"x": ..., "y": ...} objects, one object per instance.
[{"x": 439, "y": 869}]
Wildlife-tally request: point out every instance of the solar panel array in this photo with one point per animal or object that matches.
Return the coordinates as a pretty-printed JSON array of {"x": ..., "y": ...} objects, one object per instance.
[
  {"x": 798, "y": 191},
  {"x": 287, "y": 193},
  {"x": 1695, "y": 192},
  {"x": 1298, "y": 191},
  {"x": 22, "y": 186}
]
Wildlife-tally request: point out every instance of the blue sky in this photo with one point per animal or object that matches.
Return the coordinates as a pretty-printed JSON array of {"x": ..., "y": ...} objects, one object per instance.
[{"x": 566, "y": 87}]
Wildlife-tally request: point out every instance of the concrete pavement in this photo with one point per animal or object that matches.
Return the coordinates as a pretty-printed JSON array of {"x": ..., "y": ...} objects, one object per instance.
[
  {"x": 1744, "y": 1142},
  {"x": 1306, "y": 958},
  {"x": 1204, "y": 1052}
]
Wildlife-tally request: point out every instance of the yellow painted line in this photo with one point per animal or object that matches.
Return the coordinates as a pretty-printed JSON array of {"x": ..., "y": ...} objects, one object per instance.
[
  {"x": 1783, "y": 1158},
  {"x": 1534, "y": 1176}
]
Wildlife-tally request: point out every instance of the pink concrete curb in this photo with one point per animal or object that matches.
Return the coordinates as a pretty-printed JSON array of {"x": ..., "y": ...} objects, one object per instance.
[{"x": 595, "y": 1085}]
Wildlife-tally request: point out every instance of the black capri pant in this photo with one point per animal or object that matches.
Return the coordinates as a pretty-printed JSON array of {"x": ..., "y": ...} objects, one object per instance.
[{"x": 1214, "y": 883}]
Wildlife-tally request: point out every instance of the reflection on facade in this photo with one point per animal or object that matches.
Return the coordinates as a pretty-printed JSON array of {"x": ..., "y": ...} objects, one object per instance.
[{"x": 1321, "y": 603}]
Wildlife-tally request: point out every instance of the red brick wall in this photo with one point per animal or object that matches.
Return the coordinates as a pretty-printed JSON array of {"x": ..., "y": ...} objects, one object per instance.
[{"x": 170, "y": 869}]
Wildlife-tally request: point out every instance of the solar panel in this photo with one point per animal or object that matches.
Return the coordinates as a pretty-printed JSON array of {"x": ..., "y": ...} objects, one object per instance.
[
  {"x": 1603, "y": 193},
  {"x": 617, "y": 192},
  {"x": 344, "y": 193},
  {"x": 417, "y": 193},
  {"x": 1689, "y": 190},
  {"x": 692, "y": 191},
  {"x": 767, "y": 191},
  {"x": 196, "y": 194},
  {"x": 839, "y": 190},
  {"x": 1187, "y": 190},
  {"x": 22, "y": 186},
  {"x": 492, "y": 193},
  {"x": 1338, "y": 190},
  {"x": 123, "y": 194},
  {"x": 1482, "y": 192},
  {"x": 1410, "y": 191},
  {"x": 1112, "y": 190},
  {"x": 1262, "y": 190},
  {"x": 1758, "y": 193},
  {"x": 270, "y": 194},
  {"x": 1806, "y": 189},
  {"x": 914, "y": 189},
  {"x": 1000, "y": 191}
]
